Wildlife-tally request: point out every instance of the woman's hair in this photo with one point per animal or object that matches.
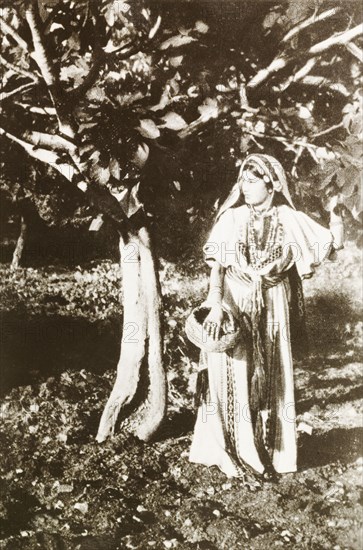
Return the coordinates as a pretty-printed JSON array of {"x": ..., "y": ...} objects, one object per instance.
[
  {"x": 258, "y": 172},
  {"x": 273, "y": 174},
  {"x": 278, "y": 199}
]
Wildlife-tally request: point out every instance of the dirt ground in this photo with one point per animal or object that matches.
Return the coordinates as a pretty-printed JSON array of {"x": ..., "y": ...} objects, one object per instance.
[{"x": 62, "y": 490}]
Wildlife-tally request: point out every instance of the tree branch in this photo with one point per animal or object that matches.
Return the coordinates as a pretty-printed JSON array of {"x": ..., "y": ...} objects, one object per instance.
[
  {"x": 337, "y": 39},
  {"x": 6, "y": 95},
  {"x": 310, "y": 21},
  {"x": 328, "y": 130},
  {"x": 49, "y": 157},
  {"x": 301, "y": 73},
  {"x": 66, "y": 123},
  {"x": 19, "y": 70},
  {"x": 302, "y": 77},
  {"x": 54, "y": 142},
  {"x": 49, "y": 111},
  {"x": 98, "y": 196},
  {"x": 101, "y": 57},
  {"x": 299, "y": 143},
  {"x": 312, "y": 80},
  {"x": 90, "y": 79},
  {"x": 276, "y": 65},
  {"x": 41, "y": 56},
  {"x": 283, "y": 59},
  {"x": 355, "y": 50},
  {"x": 7, "y": 29}
]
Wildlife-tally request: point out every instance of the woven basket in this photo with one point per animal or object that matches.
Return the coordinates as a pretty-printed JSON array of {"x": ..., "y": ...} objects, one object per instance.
[{"x": 228, "y": 338}]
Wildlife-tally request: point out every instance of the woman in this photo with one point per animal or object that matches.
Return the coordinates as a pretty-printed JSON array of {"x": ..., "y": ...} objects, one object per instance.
[{"x": 259, "y": 251}]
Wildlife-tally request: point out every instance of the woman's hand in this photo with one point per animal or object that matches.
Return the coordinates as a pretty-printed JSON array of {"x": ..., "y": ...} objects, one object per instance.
[{"x": 213, "y": 321}]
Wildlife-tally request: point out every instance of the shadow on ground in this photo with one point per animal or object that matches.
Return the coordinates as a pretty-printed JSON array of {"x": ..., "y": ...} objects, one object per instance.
[
  {"x": 34, "y": 348},
  {"x": 339, "y": 444},
  {"x": 328, "y": 314},
  {"x": 176, "y": 425}
]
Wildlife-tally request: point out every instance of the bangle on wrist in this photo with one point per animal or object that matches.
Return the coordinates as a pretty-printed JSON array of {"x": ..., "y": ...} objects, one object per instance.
[{"x": 215, "y": 290}]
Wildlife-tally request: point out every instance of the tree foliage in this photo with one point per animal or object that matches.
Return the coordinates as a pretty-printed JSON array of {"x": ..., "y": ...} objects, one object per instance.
[{"x": 163, "y": 100}]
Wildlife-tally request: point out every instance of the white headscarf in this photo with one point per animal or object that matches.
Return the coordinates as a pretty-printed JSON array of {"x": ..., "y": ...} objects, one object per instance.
[{"x": 271, "y": 167}]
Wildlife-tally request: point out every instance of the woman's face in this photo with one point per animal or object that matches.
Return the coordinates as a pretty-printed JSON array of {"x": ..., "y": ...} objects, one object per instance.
[{"x": 254, "y": 188}]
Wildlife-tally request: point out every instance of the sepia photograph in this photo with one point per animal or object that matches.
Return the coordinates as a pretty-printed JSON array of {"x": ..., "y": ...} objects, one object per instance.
[{"x": 181, "y": 286}]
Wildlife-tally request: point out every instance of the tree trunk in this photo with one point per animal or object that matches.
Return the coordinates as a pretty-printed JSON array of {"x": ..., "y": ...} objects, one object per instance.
[
  {"x": 15, "y": 263},
  {"x": 138, "y": 398}
]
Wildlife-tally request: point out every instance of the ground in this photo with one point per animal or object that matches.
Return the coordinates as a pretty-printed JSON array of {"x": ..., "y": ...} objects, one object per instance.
[{"x": 62, "y": 490}]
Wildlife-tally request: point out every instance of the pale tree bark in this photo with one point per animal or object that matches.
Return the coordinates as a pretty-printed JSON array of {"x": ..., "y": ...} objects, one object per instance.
[
  {"x": 140, "y": 392},
  {"x": 150, "y": 415},
  {"x": 138, "y": 398},
  {"x": 17, "y": 254},
  {"x": 133, "y": 343},
  {"x": 141, "y": 345}
]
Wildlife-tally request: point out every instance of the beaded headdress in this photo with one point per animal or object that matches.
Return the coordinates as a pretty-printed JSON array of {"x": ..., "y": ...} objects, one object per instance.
[{"x": 270, "y": 167}]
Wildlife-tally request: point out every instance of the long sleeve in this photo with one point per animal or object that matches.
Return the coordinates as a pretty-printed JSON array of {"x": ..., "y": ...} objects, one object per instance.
[
  {"x": 221, "y": 245},
  {"x": 309, "y": 242}
]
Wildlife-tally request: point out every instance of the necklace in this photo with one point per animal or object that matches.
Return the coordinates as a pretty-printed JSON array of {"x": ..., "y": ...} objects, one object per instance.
[
  {"x": 265, "y": 210},
  {"x": 261, "y": 255}
]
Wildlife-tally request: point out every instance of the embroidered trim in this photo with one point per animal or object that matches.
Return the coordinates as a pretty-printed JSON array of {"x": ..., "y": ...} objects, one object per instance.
[{"x": 260, "y": 252}]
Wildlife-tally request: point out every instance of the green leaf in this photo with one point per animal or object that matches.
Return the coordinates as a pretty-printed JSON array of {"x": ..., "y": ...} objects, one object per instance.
[
  {"x": 148, "y": 128},
  {"x": 101, "y": 175},
  {"x": 304, "y": 112},
  {"x": 270, "y": 19},
  {"x": 349, "y": 203},
  {"x": 349, "y": 160},
  {"x": 352, "y": 180},
  {"x": 357, "y": 209},
  {"x": 330, "y": 169},
  {"x": 141, "y": 155},
  {"x": 74, "y": 42},
  {"x": 340, "y": 180},
  {"x": 96, "y": 94},
  {"x": 155, "y": 28},
  {"x": 260, "y": 127},
  {"x": 176, "y": 42},
  {"x": 244, "y": 143},
  {"x": 110, "y": 16},
  {"x": 201, "y": 27},
  {"x": 114, "y": 168},
  {"x": 356, "y": 124},
  {"x": 324, "y": 153},
  {"x": 209, "y": 109},
  {"x": 176, "y": 61},
  {"x": 348, "y": 108},
  {"x": 173, "y": 121},
  {"x": 76, "y": 71},
  {"x": 96, "y": 223}
]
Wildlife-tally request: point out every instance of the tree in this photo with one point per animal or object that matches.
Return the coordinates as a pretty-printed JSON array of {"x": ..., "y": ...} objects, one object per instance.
[{"x": 105, "y": 93}]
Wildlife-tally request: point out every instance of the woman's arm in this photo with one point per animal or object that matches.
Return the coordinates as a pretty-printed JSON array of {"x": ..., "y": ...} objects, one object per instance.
[
  {"x": 336, "y": 227},
  {"x": 216, "y": 281},
  {"x": 213, "y": 321}
]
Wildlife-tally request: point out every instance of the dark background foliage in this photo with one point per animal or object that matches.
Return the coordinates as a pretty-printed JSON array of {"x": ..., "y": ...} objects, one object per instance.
[{"x": 169, "y": 124}]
